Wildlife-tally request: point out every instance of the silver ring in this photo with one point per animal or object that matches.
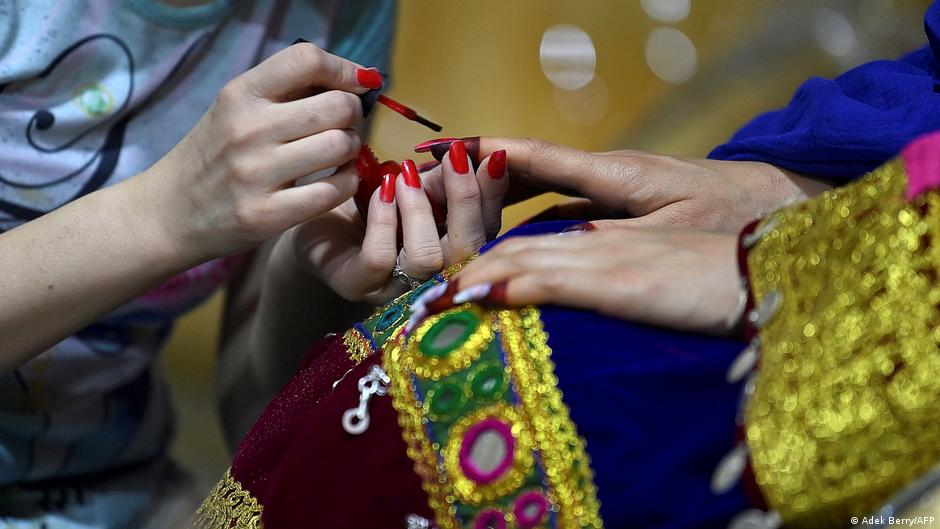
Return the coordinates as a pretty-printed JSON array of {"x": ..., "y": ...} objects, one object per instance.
[{"x": 400, "y": 275}]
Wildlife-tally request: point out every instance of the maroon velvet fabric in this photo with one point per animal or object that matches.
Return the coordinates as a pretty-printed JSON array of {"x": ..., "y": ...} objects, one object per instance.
[{"x": 308, "y": 472}]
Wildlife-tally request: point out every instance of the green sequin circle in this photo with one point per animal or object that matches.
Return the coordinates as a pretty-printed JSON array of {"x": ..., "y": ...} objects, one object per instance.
[{"x": 488, "y": 382}]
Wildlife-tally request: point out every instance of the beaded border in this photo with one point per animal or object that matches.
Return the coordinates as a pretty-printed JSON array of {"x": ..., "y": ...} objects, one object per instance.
[
  {"x": 572, "y": 493},
  {"x": 564, "y": 454},
  {"x": 435, "y": 368}
]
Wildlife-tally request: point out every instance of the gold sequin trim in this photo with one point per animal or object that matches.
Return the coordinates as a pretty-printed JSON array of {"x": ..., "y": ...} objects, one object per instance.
[
  {"x": 847, "y": 404},
  {"x": 564, "y": 453},
  {"x": 229, "y": 506},
  {"x": 436, "y": 367},
  {"x": 359, "y": 347},
  {"x": 570, "y": 490}
]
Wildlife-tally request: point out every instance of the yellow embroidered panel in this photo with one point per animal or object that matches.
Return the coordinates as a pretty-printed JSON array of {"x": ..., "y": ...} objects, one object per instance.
[
  {"x": 365, "y": 338},
  {"x": 485, "y": 423},
  {"x": 229, "y": 506},
  {"x": 847, "y": 403}
]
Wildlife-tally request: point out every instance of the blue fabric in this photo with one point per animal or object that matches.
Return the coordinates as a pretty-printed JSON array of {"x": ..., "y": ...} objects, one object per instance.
[
  {"x": 842, "y": 128},
  {"x": 655, "y": 410}
]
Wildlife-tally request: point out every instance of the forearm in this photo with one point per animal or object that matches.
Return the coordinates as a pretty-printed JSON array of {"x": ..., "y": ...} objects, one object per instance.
[
  {"x": 68, "y": 268},
  {"x": 273, "y": 314}
]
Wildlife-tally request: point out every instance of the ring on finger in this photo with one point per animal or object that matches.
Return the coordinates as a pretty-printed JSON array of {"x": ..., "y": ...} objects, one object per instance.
[{"x": 402, "y": 276}]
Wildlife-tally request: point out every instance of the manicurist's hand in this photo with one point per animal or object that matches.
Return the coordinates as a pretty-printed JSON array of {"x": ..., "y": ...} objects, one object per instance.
[
  {"x": 673, "y": 278},
  {"x": 230, "y": 183},
  {"x": 356, "y": 257},
  {"x": 652, "y": 190}
]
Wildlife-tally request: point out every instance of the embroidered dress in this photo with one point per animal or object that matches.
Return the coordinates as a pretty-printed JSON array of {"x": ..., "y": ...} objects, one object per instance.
[
  {"x": 92, "y": 93},
  {"x": 556, "y": 418}
]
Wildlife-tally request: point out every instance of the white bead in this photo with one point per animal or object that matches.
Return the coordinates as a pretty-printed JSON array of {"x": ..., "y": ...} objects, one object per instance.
[
  {"x": 744, "y": 362},
  {"x": 729, "y": 470},
  {"x": 755, "y": 519}
]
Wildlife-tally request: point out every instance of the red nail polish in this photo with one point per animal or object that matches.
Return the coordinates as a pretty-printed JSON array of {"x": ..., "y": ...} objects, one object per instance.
[
  {"x": 458, "y": 157},
  {"x": 497, "y": 295},
  {"x": 584, "y": 226},
  {"x": 369, "y": 78},
  {"x": 387, "y": 193},
  {"x": 497, "y": 164},
  {"x": 410, "y": 173},
  {"x": 446, "y": 301},
  {"x": 427, "y": 145}
]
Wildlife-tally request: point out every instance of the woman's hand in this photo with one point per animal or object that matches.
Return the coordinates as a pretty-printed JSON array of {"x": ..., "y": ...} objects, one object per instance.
[
  {"x": 229, "y": 184},
  {"x": 356, "y": 258},
  {"x": 680, "y": 279},
  {"x": 653, "y": 190}
]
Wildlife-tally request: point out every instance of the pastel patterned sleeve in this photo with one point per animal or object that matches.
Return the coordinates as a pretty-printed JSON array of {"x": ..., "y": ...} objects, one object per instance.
[{"x": 844, "y": 404}]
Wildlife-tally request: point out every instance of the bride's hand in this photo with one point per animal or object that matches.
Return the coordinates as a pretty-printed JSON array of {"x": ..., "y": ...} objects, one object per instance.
[
  {"x": 650, "y": 189},
  {"x": 679, "y": 279},
  {"x": 356, "y": 257}
]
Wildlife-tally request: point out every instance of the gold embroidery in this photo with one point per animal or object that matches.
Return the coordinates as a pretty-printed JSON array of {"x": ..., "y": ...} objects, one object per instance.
[
  {"x": 539, "y": 420},
  {"x": 229, "y": 506},
  {"x": 564, "y": 453},
  {"x": 357, "y": 345},
  {"x": 428, "y": 365},
  {"x": 847, "y": 404}
]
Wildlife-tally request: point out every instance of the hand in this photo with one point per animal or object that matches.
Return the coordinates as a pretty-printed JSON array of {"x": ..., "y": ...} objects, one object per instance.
[
  {"x": 229, "y": 184},
  {"x": 680, "y": 279},
  {"x": 652, "y": 190},
  {"x": 356, "y": 258}
]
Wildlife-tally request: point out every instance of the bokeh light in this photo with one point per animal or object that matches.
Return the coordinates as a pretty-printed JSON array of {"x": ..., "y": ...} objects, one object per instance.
[
  {"x": 671, "y": 55},
  {"x": 668, "y": 11},
  {"x": 568, "y": 57}
]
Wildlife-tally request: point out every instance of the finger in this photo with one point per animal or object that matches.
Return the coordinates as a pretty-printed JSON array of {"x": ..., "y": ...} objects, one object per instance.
[
  {"x": 330, "y": 110},
  {"x": 304, "y": 65},
  {"x": 548, "y": 164},
  {"x": 421, "y": 256},
  {"x": 330, "y": 148},
  {"x": 493, "y": 182},
  {"x": 310, "y": 200},
  {"x": 569, "y": 287},
  {"x": 491, "y": 268},
  {"x": 372, "y": 267},
  {"x": 465, "y": 232}
]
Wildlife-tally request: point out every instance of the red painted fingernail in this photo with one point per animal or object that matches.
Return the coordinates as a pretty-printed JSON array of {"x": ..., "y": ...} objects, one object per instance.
[
  {"x": 458, "y": 157},
  {"x": 410, "y": 173},
  {"x": 584, "y": 226},
  {"x": 369, "y": 78},
  {"x": 445, "y": 301},
  {"x": 497, "y": 295},
  {"x": 497, "y": 164},
  {"x": 426, "y": 146},
  {"x": 427, "y": 166},
  {"x": 387, "y": 193}
]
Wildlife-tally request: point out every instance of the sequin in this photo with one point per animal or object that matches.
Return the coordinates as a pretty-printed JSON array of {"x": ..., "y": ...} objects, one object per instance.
[{"x": 847, "y": 402}]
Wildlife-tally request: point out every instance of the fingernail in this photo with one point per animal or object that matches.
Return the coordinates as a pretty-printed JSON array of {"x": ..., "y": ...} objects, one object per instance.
[
  {"x": 445, "y": 300},
  {"x": 497, "y": 164},
  {"x": 458, "y": 157},
  {"x": 438, "y": 147},
  {"x": 417, "y": 314},
  {"x": 427, "y": 166},
  {"x": 578, "y": 228},
  {"x": 410, "y": 172},
  {"x": 496, "y": 297},
  {"x": 369, "y": 78},
  {"x": 428, "y": 296},
  {"x": 472, "y": 293},
  {"x": 426, "y": 146},
  {"x": 387, "y": 193}
]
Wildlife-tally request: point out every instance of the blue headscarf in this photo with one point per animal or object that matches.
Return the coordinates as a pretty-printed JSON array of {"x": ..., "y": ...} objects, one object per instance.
[{"x": 842, "y": 128}]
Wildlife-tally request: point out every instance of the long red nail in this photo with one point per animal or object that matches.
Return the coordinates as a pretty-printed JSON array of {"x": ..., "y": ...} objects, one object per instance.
[
  {"x": 458, "y": 157},
  {"x": 438, "y": 147},
  {"x": 387, "y": 193},
  {"x": 497, "y": 164},
  {"x": 410, "y": 173},
  {"x": 497, "y": 295},
  {"x": 369, "y": 78},
  {"x": 576, "y": 228}
]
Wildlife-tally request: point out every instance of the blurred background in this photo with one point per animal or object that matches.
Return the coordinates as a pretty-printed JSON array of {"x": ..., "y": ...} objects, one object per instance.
[{"x": 668, "y": 76}]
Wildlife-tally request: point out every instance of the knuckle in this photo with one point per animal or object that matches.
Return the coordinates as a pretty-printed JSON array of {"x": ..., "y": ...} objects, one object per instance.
[
  {"x": 427, "y": 258},
  {"x": 304, "y": 58},
  {"x": 378, "y": 261},
  {"x": 341, "y": 143}
]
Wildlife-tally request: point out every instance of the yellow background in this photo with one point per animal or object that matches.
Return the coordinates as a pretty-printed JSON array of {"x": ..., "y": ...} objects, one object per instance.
[{"x": 474, "y": 67}]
